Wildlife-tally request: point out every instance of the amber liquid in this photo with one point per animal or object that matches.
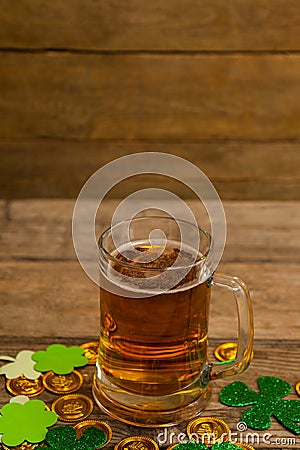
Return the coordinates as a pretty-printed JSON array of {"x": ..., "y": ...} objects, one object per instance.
[{"x": 157, "y": 345}]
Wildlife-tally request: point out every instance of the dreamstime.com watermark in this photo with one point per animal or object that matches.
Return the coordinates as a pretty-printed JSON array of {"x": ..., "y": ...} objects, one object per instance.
[{"x": 242, "y": 435}]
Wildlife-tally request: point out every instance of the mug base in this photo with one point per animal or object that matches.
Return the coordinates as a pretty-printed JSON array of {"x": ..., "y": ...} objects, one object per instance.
[{"x": 150, "y": 411}]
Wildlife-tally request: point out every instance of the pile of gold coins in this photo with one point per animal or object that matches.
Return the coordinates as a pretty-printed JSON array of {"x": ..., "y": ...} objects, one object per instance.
[
  {"x": 77, "y": 407},
  {"x": 207, "y": 430},
  {"x": 69, "y": 407}
]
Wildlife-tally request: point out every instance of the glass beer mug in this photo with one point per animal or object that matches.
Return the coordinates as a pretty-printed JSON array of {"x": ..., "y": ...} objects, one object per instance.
[{"x": 153, "y": 367}]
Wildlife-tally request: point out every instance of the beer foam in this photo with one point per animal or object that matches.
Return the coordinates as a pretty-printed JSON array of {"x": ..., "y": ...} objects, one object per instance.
[{"x": 128, "y": 274}]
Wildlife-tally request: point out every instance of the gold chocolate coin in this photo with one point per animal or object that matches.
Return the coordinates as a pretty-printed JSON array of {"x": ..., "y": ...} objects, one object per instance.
[
  {"x": 63, "y": 384},
  {"x": 24, "y": 386},
  {"x": 73, "y": 407},
  {"x": 298, "y": 388},
  {"x": 136, "y": 443},
  {"x": 209, "y": 429},
  {"x": 244, "y": 446},
  {"x": 91, "y": 351},
  {"x": 226, "y": 351},
  {"x": 82, "y": 426},
  {"x": 24, "y": 446}
]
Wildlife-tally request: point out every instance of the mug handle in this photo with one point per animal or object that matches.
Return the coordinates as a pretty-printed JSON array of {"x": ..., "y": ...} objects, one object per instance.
[{"x": 245, "y": 328}]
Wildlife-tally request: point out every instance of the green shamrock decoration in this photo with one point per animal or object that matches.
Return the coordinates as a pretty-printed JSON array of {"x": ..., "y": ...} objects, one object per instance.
[
  {"x": 25, "y": 422},
  {"x": 59, "y": 358},
  {"x": 65, "y": 438},
  {"x": 268, "y": 402},
  {"x": 200, "y": 446},
  {"x": 21, "y": 365},
  {"x": 18, "y": 399}
]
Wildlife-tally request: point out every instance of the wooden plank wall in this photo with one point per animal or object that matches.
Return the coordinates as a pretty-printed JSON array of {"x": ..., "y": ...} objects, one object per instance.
[{"x": 217, "y": 82}]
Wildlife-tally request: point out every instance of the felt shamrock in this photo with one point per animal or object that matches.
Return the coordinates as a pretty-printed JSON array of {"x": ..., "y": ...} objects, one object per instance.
[
  {"x": 18, "y": 399},
  {"x": 21, "y": 365},
  {"x": 65, "y": 438},
  {"x": 25, "y": 420},
  {"x": 59, "y": 358},
  {"x": 268, "y": 402}
]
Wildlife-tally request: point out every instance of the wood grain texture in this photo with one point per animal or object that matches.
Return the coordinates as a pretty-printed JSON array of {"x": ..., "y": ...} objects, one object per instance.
[
  {"x": 239, "y": 170},
  {"x": 271, "y": 358},
  {"x": 40, "y": 231},
  {"x": 256, "y": 231},
  {"x": 152, "y": 97},
  {"x": 3, "y": 206},
  {"x": 58, "y": 299},
  {"x": 169, "y": 25},
  {"x": 262, "y": 247}
]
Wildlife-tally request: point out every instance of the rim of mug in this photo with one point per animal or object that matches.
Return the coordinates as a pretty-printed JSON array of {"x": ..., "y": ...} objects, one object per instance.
[{"x": 112, "y": 258}]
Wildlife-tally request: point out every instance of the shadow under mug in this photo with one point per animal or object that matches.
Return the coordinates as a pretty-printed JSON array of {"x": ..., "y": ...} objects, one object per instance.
[{"x": 153, "y": 367}]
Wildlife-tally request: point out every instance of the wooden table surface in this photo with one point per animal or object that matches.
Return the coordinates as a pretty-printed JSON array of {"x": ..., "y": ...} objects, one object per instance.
[{"x": 46, "y": 297}]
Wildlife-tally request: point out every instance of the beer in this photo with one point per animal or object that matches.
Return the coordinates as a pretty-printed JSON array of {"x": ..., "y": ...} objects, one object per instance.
[
  {"x": 155, "y": 283},
  {"x": 154, "y": 345}
]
